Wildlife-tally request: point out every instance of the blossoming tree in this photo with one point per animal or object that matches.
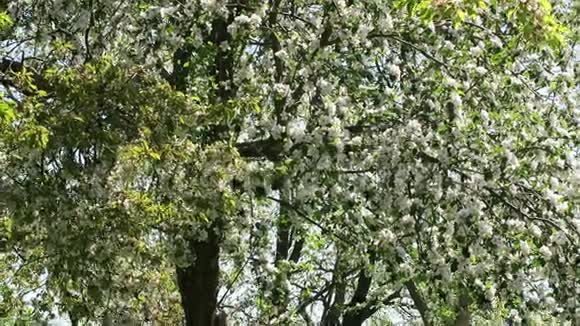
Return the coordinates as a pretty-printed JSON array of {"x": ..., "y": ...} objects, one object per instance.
[{"x": 289, "y": 161}]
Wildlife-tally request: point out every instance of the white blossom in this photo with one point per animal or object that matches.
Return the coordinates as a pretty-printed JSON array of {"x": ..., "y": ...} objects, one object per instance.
[
  {"x": 394, "y": 71},
  {"x": 546, "y": 252},
  {"x": 456, "y": 99},
  {"x": 281, "y": 89}
]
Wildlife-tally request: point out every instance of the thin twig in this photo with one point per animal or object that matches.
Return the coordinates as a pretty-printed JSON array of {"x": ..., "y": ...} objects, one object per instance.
[
  {"x": 305, "y": 216},
  {"x": 233, "y": 281},
  {"x": 415, "y": 47}
]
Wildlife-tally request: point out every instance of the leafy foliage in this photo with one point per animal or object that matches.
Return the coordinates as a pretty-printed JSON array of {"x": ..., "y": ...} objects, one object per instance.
[{"x": 344, "y": 156}]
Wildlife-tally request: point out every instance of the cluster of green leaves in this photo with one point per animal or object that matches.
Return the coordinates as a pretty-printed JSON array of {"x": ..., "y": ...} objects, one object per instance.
[{"x": 532, "y": 20}]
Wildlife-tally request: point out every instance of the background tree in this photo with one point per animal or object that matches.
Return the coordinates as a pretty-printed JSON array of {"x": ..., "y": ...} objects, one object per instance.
[{"x": 289, "y": 162}]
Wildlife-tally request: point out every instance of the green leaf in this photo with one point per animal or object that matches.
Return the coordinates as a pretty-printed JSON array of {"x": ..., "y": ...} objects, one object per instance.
[
  {"x": 154, "y": 155},
  {"x": 5, "y": 20},
  {"x": 7, "y": 113},
  {"x": 78, "y": 118},
  {"x": 460, "y": 17},
  {"x": 41, "y": 136}
]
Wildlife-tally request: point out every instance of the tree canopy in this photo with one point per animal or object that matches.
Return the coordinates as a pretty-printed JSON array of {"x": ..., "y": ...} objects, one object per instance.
[{"x": 289, "y": 162}]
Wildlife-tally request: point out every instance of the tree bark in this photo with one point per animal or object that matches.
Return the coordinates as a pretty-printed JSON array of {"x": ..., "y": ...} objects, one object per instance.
[
  {"x": 358, "y": 316},
  {"x": 280, "y": 294},
  {"x": 419, "y": 302},
  {"x": 463, "y": 314},
  {"x": 354, "y": 317},
  {"x": 107, "y": 320},
  {"x": 198, "y": 282}
]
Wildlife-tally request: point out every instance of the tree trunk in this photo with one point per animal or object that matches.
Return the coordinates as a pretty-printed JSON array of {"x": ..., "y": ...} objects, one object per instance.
[{"x": 198, "y": 282}]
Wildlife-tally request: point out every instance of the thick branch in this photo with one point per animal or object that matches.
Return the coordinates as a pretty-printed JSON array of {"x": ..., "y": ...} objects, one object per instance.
[
  {"x": 357, "y": 315},
  {"x": 419, "y": 302},
  {"x": 372, "y": 307},
  {"x": 463, "y": 314},
  {"x": 297, "y": 250},
  {"x": 353, "y": 317}
]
